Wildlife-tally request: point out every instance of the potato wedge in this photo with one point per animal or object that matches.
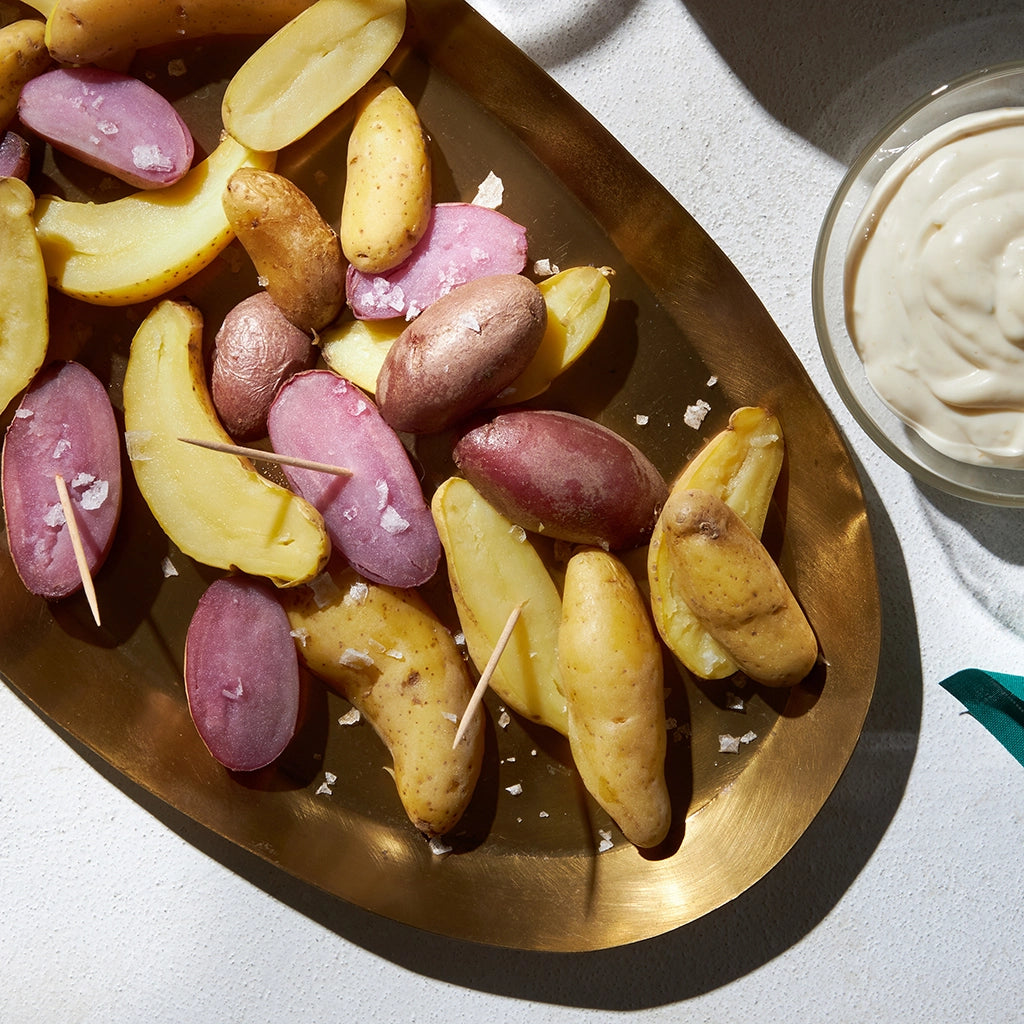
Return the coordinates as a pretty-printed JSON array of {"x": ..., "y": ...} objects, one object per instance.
[
  {"x": 309, "y": 68},
  {"x": 24, "y": 299},
  {"x": 215, "y": 507},
  {"x": 386, "y": 206},
  {"x": 23, "y": 56},
  {"x": 94, "y": 31},
  {"x": 388, "y": 654},
  {"x": 294, "y": 250},
  {"x": 740, "y": 465},
  {"x": 356, "y": 349},
  {"x": 735, "y": 590},
  {"x": 137, "y": 248},
  {"x": 492, "y": 567},
  {"x": 613, "y": 678},
  {"x": 577, "y": 300}
]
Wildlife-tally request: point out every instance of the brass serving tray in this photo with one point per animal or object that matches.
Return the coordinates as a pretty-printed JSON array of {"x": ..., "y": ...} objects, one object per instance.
[{"x": 527, "y": 871}]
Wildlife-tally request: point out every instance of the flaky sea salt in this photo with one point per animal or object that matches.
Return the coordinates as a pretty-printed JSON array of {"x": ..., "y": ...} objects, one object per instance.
[
  {"x": 490, "y": 192},
  {"x": 351, "y": 658},
  {"x": 728, "y": 744},
  {"x": 351, "y": 717},
  {"x": 642, "y": 420},
  {"x": 545, "y": 268},
  {"x": 515, "y": 789},
  {"x": 168, "y": 568},
  {"x": 694, "y": 415},
  {"x": 438, "y": 847},
  {"x": 325, "y": 590},
  {"x": 606, "y": 840},
  {"x": 151, "y": 158},
  {"x": 391, "y": 521},
  {"x": 94, "y": 495}
]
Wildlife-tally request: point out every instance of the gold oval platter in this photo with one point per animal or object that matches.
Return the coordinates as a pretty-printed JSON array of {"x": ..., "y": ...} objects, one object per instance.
[{"x": 535, "y": 864}]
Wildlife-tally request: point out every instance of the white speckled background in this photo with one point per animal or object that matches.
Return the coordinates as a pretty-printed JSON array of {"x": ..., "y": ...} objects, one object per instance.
[{"x": 901, "y": 903}]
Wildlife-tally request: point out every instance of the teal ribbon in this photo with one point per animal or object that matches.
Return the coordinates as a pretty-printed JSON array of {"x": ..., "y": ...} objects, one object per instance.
[{"x": 996, "y": 700}]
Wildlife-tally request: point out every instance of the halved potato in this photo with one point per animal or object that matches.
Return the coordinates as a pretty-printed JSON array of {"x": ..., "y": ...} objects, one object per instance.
[{"x": 214, "y": 506}]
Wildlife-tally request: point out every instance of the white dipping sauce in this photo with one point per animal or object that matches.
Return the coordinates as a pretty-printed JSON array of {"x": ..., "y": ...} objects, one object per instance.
[{"x": 935, "y": 287}]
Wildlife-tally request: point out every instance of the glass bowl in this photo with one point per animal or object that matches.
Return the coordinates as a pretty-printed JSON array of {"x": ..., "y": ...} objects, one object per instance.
[{"x": 985, "y": 89}]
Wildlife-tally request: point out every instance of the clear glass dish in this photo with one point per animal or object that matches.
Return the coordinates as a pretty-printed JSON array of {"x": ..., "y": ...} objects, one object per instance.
[{"x": 985, "y": 89}]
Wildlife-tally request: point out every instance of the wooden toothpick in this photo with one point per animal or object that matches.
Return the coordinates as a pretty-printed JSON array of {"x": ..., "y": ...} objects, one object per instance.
[
  {"x": 76, "y": 544},
  {"x": 262, "y": 456},
  {"x": 485, "y": 677}
]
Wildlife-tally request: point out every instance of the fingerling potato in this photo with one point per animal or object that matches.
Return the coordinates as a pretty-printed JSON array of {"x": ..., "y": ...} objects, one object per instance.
[
  {"x": 387, "y": 653},
  {"x": 735, "y": 589},
  {"x": 740, "y": 465},
  {"x": 295, "y": 251},
  {"x": 612, "y": 674},
  {"x": 386, "y": 206}
]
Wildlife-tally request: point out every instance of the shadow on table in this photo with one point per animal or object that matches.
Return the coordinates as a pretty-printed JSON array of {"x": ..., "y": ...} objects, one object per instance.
[
  {"x": 835, "y": 73},
  {"x": 759, "y": 925}
]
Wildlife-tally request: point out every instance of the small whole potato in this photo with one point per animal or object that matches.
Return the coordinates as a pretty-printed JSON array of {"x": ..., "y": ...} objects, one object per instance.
[
  {"x": 294, "y": 250},
  {"x": 460, "y": 352},
  {"x": 564, "y": 476},
  {"x": 255, "y": 351}
]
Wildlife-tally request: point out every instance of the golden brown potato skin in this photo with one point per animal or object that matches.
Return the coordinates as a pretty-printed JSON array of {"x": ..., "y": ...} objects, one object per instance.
[
  {"x": 612, "y": 674},
  {"x": 386, "y": 207},
  {"x": 736, "y": 590},
  {"x": 387, "y": 653},
  {"x": 295, "y": 251},
  {"x": 23, "y": 55}
]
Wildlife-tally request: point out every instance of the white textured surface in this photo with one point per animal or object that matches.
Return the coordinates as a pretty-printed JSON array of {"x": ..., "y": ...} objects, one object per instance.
[{"x": 901, "y": 903}]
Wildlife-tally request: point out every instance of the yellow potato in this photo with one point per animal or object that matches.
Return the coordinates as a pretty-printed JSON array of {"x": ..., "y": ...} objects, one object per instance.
[
  {"x": 137, "y": 248},
  {"x": 577, "y": 301},
  {"x": 24, "y": 299},
  {"x": 215, "y": 507},
  {"x": 736, "y": 590},
  {"x": 492, "y": 567},
  {"x": 23, "y": 55},
  {"x": 356, "y": 349},
  {"x": 386, "y": 205},
  {"x": 295, "y": 251},
  {"x": 613, "y": 678},
  {"x": 93, "y": 31},
  {"x": 309, "y": 68},
  {"x": 740, "y": 465},
  {"x": 387, "y": 653}
]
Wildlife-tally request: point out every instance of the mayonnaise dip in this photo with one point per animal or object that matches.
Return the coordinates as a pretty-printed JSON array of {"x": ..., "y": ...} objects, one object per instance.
[{"x": 934, "y": 286}]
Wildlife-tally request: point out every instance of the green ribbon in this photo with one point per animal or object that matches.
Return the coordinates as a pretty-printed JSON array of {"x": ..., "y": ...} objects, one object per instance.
[{"x": 996, "y": 700}]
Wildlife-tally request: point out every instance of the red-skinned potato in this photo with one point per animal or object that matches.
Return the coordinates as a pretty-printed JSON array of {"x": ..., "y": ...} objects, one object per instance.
[
  {"x": 242, "y": 673},
  {"x": 110, "y": 121},
  {"x": 376, "y": 517},
  {"x": 64, "y": 425},
  {"x": 564, "y": 476},
  {"x": 461, "y": 352},
  {"x": 257, "y": 349}
]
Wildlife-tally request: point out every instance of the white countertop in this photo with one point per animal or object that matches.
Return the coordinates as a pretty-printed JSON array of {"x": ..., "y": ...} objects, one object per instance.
[{"x": 900, "y": 903}]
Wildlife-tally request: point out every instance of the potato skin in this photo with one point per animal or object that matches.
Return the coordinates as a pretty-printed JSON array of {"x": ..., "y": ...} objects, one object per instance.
[
  {"x": 23, "y": 56},
  {"x": 387, "y": 653},
  {"x": 612, "y": 674},
  {"x": 564, "y": 476},
  {"x": 736, "y": 590},
  {"x": 386, "y": 206},
  {"x": 292, "y": 247},
  {"x": 256, "y": 349},
  {"x": 460, "y": 352}
]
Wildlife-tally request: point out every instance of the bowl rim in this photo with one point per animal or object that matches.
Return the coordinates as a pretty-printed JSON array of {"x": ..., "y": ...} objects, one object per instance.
[{"x": 992, "y": 485}]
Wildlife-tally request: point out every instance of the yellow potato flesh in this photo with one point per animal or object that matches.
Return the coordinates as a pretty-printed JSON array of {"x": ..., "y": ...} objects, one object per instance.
[
  {"x": 23, "y": 55},
  {"x": 356, "y": 349},
  {"x": 309, "y": 68},
  {"x": 740, "y": 465},
  {"x": 139, "y": 247},
  {"x": 214, "y": 506},
  {"x": 387, "y": 653},
  {"x": 386, "y": 206},
  {"x": 612, "y": 674},
  {"x": 736, "y": 590},
  {"x": 577, "y": 301},
  {"x": 492, "y": 567},
  {"x": 24, "y": 304}
]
